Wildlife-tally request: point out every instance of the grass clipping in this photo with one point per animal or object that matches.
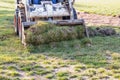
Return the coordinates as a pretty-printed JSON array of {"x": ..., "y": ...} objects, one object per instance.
[{"x": 44, "y": 33}]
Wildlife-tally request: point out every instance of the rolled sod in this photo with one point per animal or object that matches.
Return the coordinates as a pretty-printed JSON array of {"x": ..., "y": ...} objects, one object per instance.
[{"x": 44, "y": 33}]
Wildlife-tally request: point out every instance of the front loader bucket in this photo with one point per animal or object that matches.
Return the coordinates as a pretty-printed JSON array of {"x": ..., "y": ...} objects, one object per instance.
[
  {"x": 60, "y": 22},
  {"x": 70, "y": 23}
]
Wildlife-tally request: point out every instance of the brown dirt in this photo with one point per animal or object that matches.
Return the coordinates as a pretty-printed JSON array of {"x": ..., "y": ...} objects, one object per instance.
[{"x": 98, "y": 20}]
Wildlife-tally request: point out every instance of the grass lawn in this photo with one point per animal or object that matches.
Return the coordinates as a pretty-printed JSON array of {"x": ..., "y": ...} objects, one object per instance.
[
  {"x": 66, "y": 60},
  {"x": 104, "y": 7}
]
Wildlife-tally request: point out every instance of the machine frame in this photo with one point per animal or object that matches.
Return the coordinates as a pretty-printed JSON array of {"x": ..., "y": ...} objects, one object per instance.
[{"x": 23, "y": 20}]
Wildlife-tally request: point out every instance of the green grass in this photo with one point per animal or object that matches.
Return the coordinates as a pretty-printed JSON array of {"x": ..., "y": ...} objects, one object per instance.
[
  {"x": 104, "y": 7},
  {"x": 52, "y": 61}
]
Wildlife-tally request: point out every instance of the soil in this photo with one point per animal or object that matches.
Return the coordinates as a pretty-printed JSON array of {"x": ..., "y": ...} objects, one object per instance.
[
  {"x": 98, "y": 20},
  {"x": 101, "y": 31}
]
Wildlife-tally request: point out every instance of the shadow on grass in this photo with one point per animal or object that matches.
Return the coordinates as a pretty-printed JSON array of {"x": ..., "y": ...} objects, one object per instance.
[
  {"x": 78, "y": 50},
  {"x": 75, "y": 50}
]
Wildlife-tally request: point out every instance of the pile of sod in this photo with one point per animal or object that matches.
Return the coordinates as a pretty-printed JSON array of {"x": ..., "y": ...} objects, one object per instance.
[{"x": 44, "y": 33}]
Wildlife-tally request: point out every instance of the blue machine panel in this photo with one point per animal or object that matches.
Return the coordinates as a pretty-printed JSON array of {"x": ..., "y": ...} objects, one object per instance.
[
  {"x": 36, "y": 1},
  {"x": 54, "y": 1}
]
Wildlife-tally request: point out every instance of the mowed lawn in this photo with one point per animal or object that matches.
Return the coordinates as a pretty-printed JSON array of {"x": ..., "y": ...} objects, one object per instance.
[
  {"x": 66, "y": 60},
  {"x": 104, "y": 7}
]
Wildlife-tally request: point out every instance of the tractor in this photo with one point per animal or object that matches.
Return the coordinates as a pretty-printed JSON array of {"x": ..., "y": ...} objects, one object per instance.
[{"x": 59, "y": 12}]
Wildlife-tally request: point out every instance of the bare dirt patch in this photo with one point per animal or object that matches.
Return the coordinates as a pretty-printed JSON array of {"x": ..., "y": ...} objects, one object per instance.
[{"x": 94, "y": 19}]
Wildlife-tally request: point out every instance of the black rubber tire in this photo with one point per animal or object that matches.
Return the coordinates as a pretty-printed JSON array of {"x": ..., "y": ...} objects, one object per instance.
[
  {"x": 19, "y": 26},
  {"x": 16, "y": 25},
  {"x": 16, "y": 20},
  {"x": 75, "y": 13}
]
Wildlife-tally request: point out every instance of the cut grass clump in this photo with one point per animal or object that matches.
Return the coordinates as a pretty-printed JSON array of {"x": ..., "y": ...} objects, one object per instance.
[
  {"x": 117, "y": 76},
  {"x": 4, "y": 78},
  {"x": 62, "y": 74},
  {"x": 92, "y": 70},
  {"x": 116, "y": 55},
  {"x": 32, "y": 58},
  {"x": 74, "y": 76},
  {"x": 49, "y": 76},
  {"x": 80, "y": 67},
  {"x": 89, "y": 72},
  {"x": 116, "y": 71},
  {"x": 63, "y": 78},
  {"x": 95, "y": 78},
  {"x": 27, "y": 68},
  {"x": 13, "y": 74},
  {"x": 46, "y": 62},
  {"x": 31, "y": 73},
  {"x": 42, "y": 72},
  {"x": 103, "y": 76},
  {"x": 101, "y": 70},
  {"x": 12, "y": 68},
  {"x": 38, "y": 67},
  {"x": 17, "y": 79},
  {"x": 114, "y": 66},
  {"x": 55, "y": 66},
  {"x": 42, "y": 33},
  {"x": 2, "y": 67}
]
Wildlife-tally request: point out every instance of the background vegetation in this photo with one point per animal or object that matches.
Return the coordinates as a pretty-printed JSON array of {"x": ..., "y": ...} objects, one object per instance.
[{"x": 104, "y": 7}]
